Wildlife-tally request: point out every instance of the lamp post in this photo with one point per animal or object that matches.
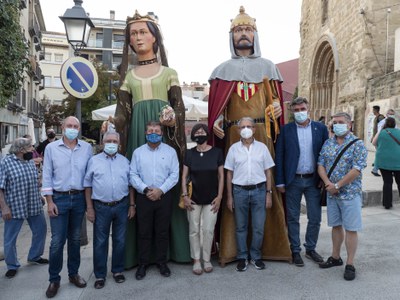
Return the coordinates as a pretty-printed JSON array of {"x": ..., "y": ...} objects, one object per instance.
[{"x": 77, "y": 27}]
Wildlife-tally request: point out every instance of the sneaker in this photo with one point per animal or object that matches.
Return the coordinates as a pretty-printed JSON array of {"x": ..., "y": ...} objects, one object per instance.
[
  {"x": 349, "y": 272},
  {"x": 313, "y": 255},
  {"x": 331, "y": 262},
  {"x": 40, "y": 261},
  {"x": 297, "y": 260},
  {"x": 242, "y": 265},
  {"x": 258, "y": 264}
]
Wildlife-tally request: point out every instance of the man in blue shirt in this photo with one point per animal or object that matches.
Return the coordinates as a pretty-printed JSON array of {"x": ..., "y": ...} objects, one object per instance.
[
  {"x": 154, "y": 171},
  {"x": 296, "y": 156},
  {"x": 344, "y": 189},
  {"x": 106, "y": 190},
  {"x": 64, "y": 169}
]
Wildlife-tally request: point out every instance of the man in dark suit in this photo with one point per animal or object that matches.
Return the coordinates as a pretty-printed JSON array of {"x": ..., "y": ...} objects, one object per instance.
[{"x": 297, "y": 150}]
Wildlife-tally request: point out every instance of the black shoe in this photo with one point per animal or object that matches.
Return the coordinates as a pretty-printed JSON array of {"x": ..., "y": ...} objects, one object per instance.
[
  {"x": 313, "y": 255},
  {"x": 258, "y": 264},
  {"x": 99, "y": 283},
  {"x": 40, "y": 261},
  {"x": 52, "y": 289},
  {"x": 349, "y": 272},
  {"x": 376, "y": 174},
  {"x": 119, "y": 278},
  {"x": 164, "y": 270},
  {"x": 297, "y": 260},
  {"x": 141, "y": 272},
  {"x": 331, "y": 262},
  {"x": 11, "y": 273},
  {"x": 242, "y": 265}
]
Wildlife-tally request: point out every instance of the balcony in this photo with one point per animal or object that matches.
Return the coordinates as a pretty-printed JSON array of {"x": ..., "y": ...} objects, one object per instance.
[
  {"x": 17, "y": 103},
  {"x": 34, "y": 30}
]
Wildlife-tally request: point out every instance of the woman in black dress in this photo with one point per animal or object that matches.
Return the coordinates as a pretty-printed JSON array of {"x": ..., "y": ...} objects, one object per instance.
[{"x": 204, "y": 166}]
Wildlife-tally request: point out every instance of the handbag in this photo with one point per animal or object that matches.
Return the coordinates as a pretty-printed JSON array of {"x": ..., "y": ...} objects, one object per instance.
[
  {"x": 392, "y": 136},
  {"x": 324, "y": 193},
  {"x": 189, "y": 187}
]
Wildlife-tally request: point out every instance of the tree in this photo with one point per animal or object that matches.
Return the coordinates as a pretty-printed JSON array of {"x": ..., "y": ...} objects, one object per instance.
[
  {"x": 54, "y": 115},
  {"x": 13, "y": 50}
]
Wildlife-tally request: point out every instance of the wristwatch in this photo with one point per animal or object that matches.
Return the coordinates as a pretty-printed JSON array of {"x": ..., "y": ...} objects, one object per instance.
[{"x": 336, "y": 186}]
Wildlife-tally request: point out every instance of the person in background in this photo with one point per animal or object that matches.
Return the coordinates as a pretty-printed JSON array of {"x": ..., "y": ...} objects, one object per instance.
[
  {"x": 344, "y": 188},
  {"x": 321, "y": 119},
  {"x": 35, "y": 155},
  {"x": 51, "y": 137},
  {"x": 378, "y": 118},
  {"x": 110, "y": 202},
  {"x": 296, "y": 157},
  {"x": 389, "y": 114},
  {"x": 154, "y": 171},
  {"x": 20, "y": 200},
  {"x": 64, "y": 169},
  {"x": 204, "y": 165},
  {"x": 387, "y": 159}
]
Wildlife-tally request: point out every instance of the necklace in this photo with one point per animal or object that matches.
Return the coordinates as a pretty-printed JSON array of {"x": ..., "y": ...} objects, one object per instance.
[
  {"x": 201, "y": 151},
  {"x": 147, "y": 62}
]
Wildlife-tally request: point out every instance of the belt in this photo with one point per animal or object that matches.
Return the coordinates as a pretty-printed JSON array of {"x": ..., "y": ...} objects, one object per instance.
[
  {"x": 112, "y": 203},
  {"x": 70, "y": 192},
  {"x": 305, "y": 175},
  {"x": 251, "y": 187},
  {"x": 236, "y": 122}
]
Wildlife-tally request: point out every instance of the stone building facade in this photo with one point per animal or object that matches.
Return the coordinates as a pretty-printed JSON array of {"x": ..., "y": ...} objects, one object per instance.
[{"x": 347, "y": 58}]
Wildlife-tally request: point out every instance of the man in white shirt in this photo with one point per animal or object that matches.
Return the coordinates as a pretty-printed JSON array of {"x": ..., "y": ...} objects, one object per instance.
[{"x": 249, "y": 166}]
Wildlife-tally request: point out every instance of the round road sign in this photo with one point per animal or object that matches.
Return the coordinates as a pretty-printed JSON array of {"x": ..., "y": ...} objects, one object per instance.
[{"x": 79, "y": 77}]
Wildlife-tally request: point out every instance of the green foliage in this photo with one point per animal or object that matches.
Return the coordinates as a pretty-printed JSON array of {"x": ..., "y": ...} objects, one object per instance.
[
  {"x": 98, "y": 100},
  {"x": 54, "y": 116},
  {"x": 13, "y": 50}
]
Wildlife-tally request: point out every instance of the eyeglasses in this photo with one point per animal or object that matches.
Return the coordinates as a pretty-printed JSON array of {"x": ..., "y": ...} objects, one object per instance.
[{"x": 248, "y": 126}]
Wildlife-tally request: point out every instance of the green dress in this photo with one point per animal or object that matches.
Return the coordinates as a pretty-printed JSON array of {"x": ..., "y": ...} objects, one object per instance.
[{"x": 148, "y": 96}]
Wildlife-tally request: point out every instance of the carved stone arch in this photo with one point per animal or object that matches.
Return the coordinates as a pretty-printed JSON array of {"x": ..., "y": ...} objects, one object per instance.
[{"x": 324, "y": 78}]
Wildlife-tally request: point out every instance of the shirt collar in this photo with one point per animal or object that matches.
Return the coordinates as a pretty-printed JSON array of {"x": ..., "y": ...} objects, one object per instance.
[
  {"x": 303, "y": 126},
  {"x": 109, "y": 156}
]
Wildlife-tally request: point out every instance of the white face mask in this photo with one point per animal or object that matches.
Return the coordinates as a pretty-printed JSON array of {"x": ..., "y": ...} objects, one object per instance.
[
  {"x": 301, "y": 116},
  {"x": 246, "y": 133}
]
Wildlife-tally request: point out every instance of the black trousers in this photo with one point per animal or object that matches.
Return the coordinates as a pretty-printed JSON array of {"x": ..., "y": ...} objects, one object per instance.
[
  {"x": 387, "y": 195},
  {"x": 153, "y": 216}
]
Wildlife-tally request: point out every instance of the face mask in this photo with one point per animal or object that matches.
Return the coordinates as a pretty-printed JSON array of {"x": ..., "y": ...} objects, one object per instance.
[
  {"x": 71, "y": 133},
  {"x": 110, "y": 148},
  {"x": 340, "y": 129},
  {"x": 200, "y": 139},
  {"x": 51, "y": 135},
  {"x": 28, "y": 155},
  {"x": 246, "y": 133},
  {"x": 390, "y": 116},
  {"x": 300, "y": 116},
  {"x": 153, "y": 138}
]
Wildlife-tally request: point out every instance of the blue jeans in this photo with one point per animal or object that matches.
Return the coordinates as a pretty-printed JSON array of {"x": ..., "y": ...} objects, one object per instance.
[
  {"x": 255, "y": 201},
  {"x": 294, "y": 192},
  {"x": 68, "y": 223},
  {"x": 117, "y": 216},
  {"x": 12, "y": 228}
]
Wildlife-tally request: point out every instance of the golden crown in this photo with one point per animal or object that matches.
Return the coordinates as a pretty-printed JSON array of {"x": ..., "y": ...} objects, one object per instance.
[
  {"x": 139, "y": 18},
  {"x": 243, "y": 19}
]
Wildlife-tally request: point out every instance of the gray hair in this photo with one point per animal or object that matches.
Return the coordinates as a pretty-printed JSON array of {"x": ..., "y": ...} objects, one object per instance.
[
  {"x": 71, "y": 117},
  {"x": 19, "y": 145},
  {"x": 343, "y": 114},
  {"x": 299, "y": 100},
  {"x": 246, "y": 119},
  {"x": 110, "y": 132}
]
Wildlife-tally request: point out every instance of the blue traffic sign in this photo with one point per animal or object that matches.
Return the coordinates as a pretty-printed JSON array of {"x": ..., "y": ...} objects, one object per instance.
[{"x": 79, "y": 77}]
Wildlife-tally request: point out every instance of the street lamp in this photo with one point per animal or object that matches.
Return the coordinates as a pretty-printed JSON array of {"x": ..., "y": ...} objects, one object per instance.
[{"x": 77, "y": 26}]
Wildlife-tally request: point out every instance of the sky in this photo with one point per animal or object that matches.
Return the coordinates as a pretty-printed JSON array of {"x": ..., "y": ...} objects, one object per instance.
[{"x": 196, "y": 33}]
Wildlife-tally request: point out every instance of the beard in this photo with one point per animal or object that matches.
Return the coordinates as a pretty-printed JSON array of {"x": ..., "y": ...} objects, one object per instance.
[{"x": 244, "y": 44}]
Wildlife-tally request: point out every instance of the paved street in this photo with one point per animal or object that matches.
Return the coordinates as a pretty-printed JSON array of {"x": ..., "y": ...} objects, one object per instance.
[{"x": 377, "y": 265}]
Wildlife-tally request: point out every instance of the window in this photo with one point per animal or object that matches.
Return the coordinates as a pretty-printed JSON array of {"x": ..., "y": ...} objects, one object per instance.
[
  {"x": 99, "y": 58},
  {"x": 117, "y": 60},
  {"x": 58, "y": 57},
  {"x": 47, "y": 56},
  {"x": 46, "y": 81},
  {"x": 118, "y": 42},
  {"x": 99, "y": 40},
  {"x": 57, "y": 82}
]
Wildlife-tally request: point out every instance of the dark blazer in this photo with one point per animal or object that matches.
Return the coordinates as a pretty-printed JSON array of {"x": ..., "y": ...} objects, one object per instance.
[{"x": 287, "y": 152}]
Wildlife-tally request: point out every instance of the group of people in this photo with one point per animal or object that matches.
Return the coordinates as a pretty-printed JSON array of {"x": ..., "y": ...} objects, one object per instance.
[{"x": 134, "y": 185}]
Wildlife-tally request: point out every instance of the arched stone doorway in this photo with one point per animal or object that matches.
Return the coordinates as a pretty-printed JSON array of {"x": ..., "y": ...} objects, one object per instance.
[{"x": 323, "y": 88}]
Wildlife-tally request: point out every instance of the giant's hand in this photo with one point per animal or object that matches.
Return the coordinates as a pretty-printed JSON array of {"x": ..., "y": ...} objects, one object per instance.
[
  {"x": 277, "y": 109},
  {"x": 217, "y": 127}
]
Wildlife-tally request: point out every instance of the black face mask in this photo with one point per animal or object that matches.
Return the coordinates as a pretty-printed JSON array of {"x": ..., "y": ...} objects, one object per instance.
[
  {"x": 28, "y": 155},
  {"x": 200, "y": 139},
  {"x": 51, "y": 135}
]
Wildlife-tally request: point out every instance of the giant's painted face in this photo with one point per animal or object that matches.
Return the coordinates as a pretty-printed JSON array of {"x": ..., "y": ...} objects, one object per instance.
[
  {"x": 243, "y": 37},
  {"x": 141, "y": 39}
]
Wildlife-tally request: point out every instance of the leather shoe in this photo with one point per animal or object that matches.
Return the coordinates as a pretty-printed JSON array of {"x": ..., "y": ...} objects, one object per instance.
[
  {"x": 78, "y": 281},
  {"x": 141, "y": 272},
  {"x": 297, "y": 260},
  {"x": 164, "y": 270},
  {"x": 52, "y": 289},
  {"x": 99, "y": 283}
]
